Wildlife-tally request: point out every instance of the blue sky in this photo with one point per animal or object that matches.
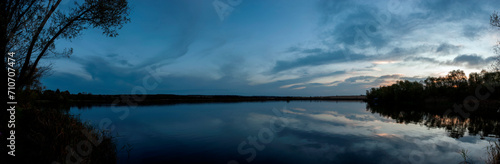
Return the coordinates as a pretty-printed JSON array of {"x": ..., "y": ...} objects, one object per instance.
[{"x": 279, "y": 47}]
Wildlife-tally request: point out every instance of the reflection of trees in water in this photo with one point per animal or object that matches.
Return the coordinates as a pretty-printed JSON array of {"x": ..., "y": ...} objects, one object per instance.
[{"x": 455, "y": 125}]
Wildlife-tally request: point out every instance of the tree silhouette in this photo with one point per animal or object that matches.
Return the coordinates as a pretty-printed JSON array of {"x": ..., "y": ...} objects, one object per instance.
[
  {"x": 455, "y": 86},
  {"x": 495, "y": 21},
  {"x": 30, "y": 27},
  {"x": 495, "y": 66},
  {"x": 483, "y": 124}
]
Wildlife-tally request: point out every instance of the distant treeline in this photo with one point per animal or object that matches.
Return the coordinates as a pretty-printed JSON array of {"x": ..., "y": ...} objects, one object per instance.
[
  {"x": 454, "y": 87},
  {"x": 87, "y": 99}
]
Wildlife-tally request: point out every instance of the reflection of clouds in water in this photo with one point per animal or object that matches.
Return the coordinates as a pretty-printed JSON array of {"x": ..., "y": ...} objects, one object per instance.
[
  {"x": 292, "y": 112},
  {"x": 257, "y": 118},
  {"x": 396, "y": 141},
  {"x": 362, "y": 117},
  {"x": 215, "y": 122},
  {"x": 334, "y": 119},
  {"x": 321, "y": 122},
  {"x": 325, "y": 150},
  {"x": 317, "y": 134}
]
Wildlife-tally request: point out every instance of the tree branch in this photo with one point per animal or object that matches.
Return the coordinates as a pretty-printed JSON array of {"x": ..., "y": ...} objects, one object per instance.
[
  {"x": 32, "y": 44},
  {"x": 17, "y": 23},
  {"x": 46, "y": 47}
]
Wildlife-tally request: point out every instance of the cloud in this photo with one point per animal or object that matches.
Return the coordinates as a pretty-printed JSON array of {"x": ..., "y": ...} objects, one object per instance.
[
  {"x": 349, "y": 46},
  {"x": 385, "y": 33},
  {"x": 471, "y": 60},
  {"x": 347, "y": 22},
  {"x": 115, "y": 57},
  {"x": 473, "y": 32},
  {"x": 467, "y": 60},
  {"x": 446, "y": 48},
  {"x": 349, "y": 85},
  {"x": 422, "y": 59},
  {"x": 373, "y": 81},
  {"x": 316, "y": 57},
  {"x": 299, "y": 88},
  {"x": 360, "y": 79},
  {"x": 187, "y": 32}
]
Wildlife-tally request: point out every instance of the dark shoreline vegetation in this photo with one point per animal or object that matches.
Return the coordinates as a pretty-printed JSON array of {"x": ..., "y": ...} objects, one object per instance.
[
  {"x": 47, "y": 135},
  {"x": 480, "y": 90},
  {"x": 50, "y": 97},
  {"x": 454, "y": 102}
]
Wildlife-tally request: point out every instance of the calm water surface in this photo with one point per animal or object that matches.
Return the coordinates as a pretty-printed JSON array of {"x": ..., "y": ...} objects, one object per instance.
[{"x": 276, "y": 132}]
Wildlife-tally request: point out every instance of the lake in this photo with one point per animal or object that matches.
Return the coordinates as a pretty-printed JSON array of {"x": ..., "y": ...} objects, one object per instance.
[{"x": 286, "y": 132}]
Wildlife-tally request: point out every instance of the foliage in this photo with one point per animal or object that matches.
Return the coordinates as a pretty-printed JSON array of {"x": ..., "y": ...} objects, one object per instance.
[
  {"x": 493, "y": 153},
  {"x": 495, "y": 66},
  {"x": 401, "y": 91},
  {"x": 31, "y": 27},
  {"x": 455, "y": 87},
  {"x": 495, "y": 22},
  {"x": 53, "y": 135},
  {"x": 463, "y": 153}
]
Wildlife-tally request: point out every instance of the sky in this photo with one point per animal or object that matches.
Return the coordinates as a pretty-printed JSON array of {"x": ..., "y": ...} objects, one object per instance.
[{"x": 277, "y": 48}]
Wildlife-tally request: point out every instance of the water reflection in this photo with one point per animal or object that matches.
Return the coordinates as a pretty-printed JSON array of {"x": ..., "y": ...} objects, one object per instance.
[
  {"x": 456, "y": 125},
  {"x": 317, "y": 132}
]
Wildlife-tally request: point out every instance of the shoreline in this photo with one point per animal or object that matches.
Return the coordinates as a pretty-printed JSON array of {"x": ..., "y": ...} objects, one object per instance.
[{"x": 123, "y": 99}]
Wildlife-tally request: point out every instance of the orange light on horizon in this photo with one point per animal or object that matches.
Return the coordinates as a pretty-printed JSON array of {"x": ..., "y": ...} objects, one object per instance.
[
  {"x": 385, "y": 62},
  {"x": 386, "y": 135}
]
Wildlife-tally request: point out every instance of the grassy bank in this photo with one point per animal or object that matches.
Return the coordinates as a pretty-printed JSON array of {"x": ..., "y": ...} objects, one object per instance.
[
  {"x": 493, "y": 153},
  {"x": 49, "y": 135}
]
